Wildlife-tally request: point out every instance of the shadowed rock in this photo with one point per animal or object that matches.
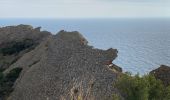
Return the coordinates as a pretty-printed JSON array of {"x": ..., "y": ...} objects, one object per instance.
[
  {"x": 162, "y": 73},
  {"x": 15, "y": 41}
]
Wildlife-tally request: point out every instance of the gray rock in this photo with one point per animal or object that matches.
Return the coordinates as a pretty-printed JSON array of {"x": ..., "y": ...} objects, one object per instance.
[
  {"x": 64, "y": 67},
  {"x": 23, "y": 36}
]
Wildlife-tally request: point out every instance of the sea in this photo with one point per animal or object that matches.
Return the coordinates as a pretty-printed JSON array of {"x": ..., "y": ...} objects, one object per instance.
[{"x": 143, "y": 44}]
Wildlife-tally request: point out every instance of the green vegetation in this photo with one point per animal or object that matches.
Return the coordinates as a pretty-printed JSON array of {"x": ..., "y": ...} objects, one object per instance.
[
  {"x": 116, "y": 97},
  {"x": 142, "y": 88},
  {"x": 16, "y": 46},
  {"x": 7, "y": 81}
]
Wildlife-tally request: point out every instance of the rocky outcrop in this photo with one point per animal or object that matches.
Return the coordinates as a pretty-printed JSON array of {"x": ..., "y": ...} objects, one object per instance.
[
  {"x": 62, "y": 66},
  {"x": 162, "y": 73},
  {"x": 15, "y": 41},
  {"x": 21, "y": 32}
]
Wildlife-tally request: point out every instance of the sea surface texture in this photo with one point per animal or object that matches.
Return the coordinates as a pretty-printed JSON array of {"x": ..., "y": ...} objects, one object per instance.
[{"x": 143, "y": 44}]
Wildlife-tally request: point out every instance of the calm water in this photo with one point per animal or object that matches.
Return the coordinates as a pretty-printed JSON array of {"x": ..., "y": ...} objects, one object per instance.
[{"x": 143, "y": 44}]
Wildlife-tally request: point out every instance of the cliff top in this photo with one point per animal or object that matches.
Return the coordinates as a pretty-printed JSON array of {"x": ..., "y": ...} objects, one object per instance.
[{"x": 59, "y": 65}]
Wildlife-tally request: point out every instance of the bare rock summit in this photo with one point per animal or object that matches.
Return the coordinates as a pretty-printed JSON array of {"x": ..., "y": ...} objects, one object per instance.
[{"x": 62, "y": 66}]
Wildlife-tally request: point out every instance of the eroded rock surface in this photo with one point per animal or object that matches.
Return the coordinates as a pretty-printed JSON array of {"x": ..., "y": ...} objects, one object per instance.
[
  {"x": 63, "y": 66},
  {"x": 15, "y": 41}
]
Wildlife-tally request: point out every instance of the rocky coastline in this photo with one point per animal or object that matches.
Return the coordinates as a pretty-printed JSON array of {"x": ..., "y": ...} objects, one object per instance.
[{"x": 57, "y": 66}]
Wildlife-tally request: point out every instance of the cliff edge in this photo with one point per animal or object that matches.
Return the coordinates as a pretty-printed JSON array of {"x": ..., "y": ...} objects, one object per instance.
[{"x": 63, "y": 66}]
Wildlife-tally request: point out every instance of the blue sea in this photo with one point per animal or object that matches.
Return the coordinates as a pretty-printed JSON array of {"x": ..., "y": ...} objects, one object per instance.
[{"x": 143, "y": 44}]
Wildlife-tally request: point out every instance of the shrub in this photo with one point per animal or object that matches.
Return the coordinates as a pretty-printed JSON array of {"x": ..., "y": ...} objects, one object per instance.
[
  {"x": 7, "y": 82},
  {"x": 13, "y": 74},
  {"x": 1, "y": 77},
  {"x": 167, "y": 93},
  {"x": 2, "y": 69},
  {"x": 16, "y": 46},
  {"x": 142, "y": 88},
  {"x": 132, "y": 88},
  {"x": 155, "y": 87},
  {"x": 116, "y": 97}
]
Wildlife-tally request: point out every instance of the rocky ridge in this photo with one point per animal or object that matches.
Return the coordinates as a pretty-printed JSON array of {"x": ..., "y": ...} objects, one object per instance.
[
  {"x": 60, "y": 66},
  {"x": 15, "y": 41}
]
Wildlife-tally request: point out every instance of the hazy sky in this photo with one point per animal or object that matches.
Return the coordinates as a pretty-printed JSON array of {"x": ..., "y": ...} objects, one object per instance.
[{"x": 84, "y": 8}]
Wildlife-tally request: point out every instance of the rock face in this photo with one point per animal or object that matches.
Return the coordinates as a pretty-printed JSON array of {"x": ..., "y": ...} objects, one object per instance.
[
  {"x": 63, "y": 66},
  {"x": 18, "y": 40},
  {"x": 162, "y": 73},
  {"x": 21, "y": 32}
]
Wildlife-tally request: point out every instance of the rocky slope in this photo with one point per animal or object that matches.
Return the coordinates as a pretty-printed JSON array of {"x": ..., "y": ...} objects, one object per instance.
[
  {"x": 61, "y": 66},
  {"x": 18, "y": 40}
]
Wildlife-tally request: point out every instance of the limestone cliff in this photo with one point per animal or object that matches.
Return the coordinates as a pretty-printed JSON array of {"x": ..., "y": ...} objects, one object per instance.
[{"x": 62, "y": 66}]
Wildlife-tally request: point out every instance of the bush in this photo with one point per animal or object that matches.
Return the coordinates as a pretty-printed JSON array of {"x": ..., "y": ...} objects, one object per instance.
[
  {"x": 7, "y": 82},
  {"x": 167, "y": 93},
  {"x": 116, "y": 97},
  {"x": 142, "y": 88},
  {"x": 13, "y": 74},
  {"x": 16, "y": 46},
  {"x": 156, "y": 88},
  {"x": 132, "y": 88},
  {"x": 1, "y": 77}
]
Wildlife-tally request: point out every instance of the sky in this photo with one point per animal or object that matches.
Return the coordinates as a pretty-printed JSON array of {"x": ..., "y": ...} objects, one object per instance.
[{"x": 84, "y": 8}]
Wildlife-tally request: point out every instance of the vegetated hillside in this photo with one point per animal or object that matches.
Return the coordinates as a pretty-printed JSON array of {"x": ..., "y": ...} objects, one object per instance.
[{"x": 61, "y": 66}]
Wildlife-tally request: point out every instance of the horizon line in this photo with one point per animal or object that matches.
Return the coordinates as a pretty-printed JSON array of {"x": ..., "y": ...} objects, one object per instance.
[{"x": 87, "y": 18}]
